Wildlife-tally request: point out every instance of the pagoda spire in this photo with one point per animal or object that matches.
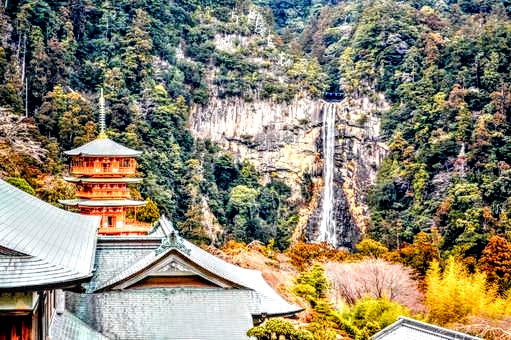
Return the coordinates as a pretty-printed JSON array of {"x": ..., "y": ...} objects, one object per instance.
[{"x": 102, "y": 133}]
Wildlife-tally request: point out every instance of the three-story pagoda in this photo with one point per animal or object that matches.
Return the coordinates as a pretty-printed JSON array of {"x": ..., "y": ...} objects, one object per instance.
[{"x": 102, "y": 170}]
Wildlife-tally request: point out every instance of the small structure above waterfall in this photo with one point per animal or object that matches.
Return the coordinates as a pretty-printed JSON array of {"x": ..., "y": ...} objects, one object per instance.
[{"x": 102, "y": 170}]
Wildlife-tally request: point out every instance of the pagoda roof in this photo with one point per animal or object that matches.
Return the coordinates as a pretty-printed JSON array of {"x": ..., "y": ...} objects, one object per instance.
[
  {"x": 103, "y": 179},
  {"x": 102, "y": 203},
  {"x": 42, "y": 245},
  {"x": 103, "y": 147}
]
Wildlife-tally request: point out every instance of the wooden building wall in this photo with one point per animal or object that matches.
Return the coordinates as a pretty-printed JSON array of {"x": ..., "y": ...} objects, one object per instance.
[{"x": 26, "y": 324}]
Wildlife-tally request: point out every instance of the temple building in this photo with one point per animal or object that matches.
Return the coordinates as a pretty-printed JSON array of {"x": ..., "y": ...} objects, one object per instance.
[
  {"x": 102, "y": 275},
  {"x": 43, "y": 249},
  {"x": 161, "y": 286},
  {"x": 59, "y": 280},
  {"x": 102, "y": 170}
]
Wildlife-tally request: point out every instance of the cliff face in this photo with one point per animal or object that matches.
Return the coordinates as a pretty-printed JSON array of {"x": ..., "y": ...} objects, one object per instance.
[
  {"x": 359, "y": 151},
  {"x": 285, "y": 141},
  {"x": 279, "y": 138}
]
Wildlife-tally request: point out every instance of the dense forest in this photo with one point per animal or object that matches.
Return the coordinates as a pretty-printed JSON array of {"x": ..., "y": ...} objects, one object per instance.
[{"x": 442, "y": 192}]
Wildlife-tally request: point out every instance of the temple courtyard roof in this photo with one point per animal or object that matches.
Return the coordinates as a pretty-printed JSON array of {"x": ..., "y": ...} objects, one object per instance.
[{"x": 42, "y": 245}]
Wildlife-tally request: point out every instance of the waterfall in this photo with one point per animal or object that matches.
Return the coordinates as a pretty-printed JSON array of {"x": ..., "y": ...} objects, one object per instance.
[{"x": 327, "y": 230}]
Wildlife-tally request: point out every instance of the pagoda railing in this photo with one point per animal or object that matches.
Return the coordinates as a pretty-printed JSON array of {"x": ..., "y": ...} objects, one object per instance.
[
  {"x": 106, "y": 194},
  {"x": 133, "y": 222},
  {"x": 131, "y": 226},
  {"x": 102, "y": 171},
  {"x": 126, "y": 230}
]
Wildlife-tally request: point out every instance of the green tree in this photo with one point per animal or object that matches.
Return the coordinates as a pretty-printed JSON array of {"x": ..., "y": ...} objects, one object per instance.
[
  {"x": 312, "y": 285},
  {"x": 278, "y": 328},
  {"x": 22, "y": 184},
  {"x": 149, "y": 212},
  {"x": 368, "y": 316}
]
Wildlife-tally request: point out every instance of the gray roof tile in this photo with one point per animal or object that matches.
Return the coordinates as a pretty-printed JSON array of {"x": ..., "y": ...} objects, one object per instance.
[
  {"x": 166, "y": 314},
  {"x": 66, "y": 326},
  {"x": 50, "y": 245},
  {"x": 410, "y": 329}
]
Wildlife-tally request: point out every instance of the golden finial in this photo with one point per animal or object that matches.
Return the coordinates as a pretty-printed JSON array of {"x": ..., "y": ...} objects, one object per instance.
[{"x": 102, "y": 134}]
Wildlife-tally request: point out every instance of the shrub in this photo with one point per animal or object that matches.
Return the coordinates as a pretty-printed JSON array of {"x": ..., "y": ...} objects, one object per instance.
[
  {"x": 375, "y": 279},
  {"x": 368, "y": 316},
  {"x": 275, "y": 328},
  {"x": 21, "y": 183},
  {"x": 302, "y": 254},
  {"x": 371, "y": 248}
]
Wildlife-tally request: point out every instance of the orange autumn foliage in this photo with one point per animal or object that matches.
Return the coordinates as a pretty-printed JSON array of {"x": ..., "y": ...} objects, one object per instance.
[{"x": 496, "y": 262}]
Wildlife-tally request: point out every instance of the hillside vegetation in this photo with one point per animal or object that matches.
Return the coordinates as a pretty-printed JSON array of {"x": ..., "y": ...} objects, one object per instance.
[{"x": 441, "y": 196}]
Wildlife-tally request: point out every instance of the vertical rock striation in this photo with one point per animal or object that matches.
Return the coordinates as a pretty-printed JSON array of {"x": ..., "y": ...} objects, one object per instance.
[
  {"x": 284, "y": 141},
  {"x": 279, "y": 138}
]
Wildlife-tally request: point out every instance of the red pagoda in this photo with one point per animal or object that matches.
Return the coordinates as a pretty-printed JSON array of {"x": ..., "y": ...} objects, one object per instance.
[{"x": 102, "y": 170}]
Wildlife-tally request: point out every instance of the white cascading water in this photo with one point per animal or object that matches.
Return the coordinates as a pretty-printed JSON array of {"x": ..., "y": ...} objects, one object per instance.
[{"x": 327, "y": 232}]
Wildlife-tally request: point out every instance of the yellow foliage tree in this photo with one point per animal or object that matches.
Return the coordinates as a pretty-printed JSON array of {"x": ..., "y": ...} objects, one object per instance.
[{"x": 455, "y": 295}]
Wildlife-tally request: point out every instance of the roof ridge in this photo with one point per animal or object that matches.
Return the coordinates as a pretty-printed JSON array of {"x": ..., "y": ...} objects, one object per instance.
[{"x": 425, "y": 327}]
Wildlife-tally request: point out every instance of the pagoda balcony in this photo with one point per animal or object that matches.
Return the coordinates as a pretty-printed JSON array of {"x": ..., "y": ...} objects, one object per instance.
[
  {"x": 106, "y": 194},
  {"x": 132, "y": 227},
  {"x": 102, "y": 171}
]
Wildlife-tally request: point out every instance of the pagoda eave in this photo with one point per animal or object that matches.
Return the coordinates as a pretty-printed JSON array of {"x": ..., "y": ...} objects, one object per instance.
[
  {"x": 102, "y": 203},
  {"x": 128, "y": 180}
]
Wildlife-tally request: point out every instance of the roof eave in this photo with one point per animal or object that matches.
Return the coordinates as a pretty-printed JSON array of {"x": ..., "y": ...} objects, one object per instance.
[
  {"x": 49, "y": 286},
  {"x": 280, "y": 314},
  {"x": 94, "y": 246}
]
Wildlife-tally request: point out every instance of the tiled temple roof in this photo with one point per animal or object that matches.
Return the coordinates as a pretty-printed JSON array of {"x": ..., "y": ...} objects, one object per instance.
[
  {"x": 167, "y": 314},
  {"x": 66, "y": 326},
  {"x": 42, "y": 245},
  {"x": 269, "y": 301},
  {"x": 118, "y": 310},
  {"x": 410, "y": 329}
]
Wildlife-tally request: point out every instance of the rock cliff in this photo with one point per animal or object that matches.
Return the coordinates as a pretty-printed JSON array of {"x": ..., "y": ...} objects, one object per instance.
[{"x": 284, "y": 140}]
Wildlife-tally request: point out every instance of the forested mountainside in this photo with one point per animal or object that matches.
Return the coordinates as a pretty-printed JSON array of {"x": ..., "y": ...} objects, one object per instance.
[{"x": 229, "y": 102}]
